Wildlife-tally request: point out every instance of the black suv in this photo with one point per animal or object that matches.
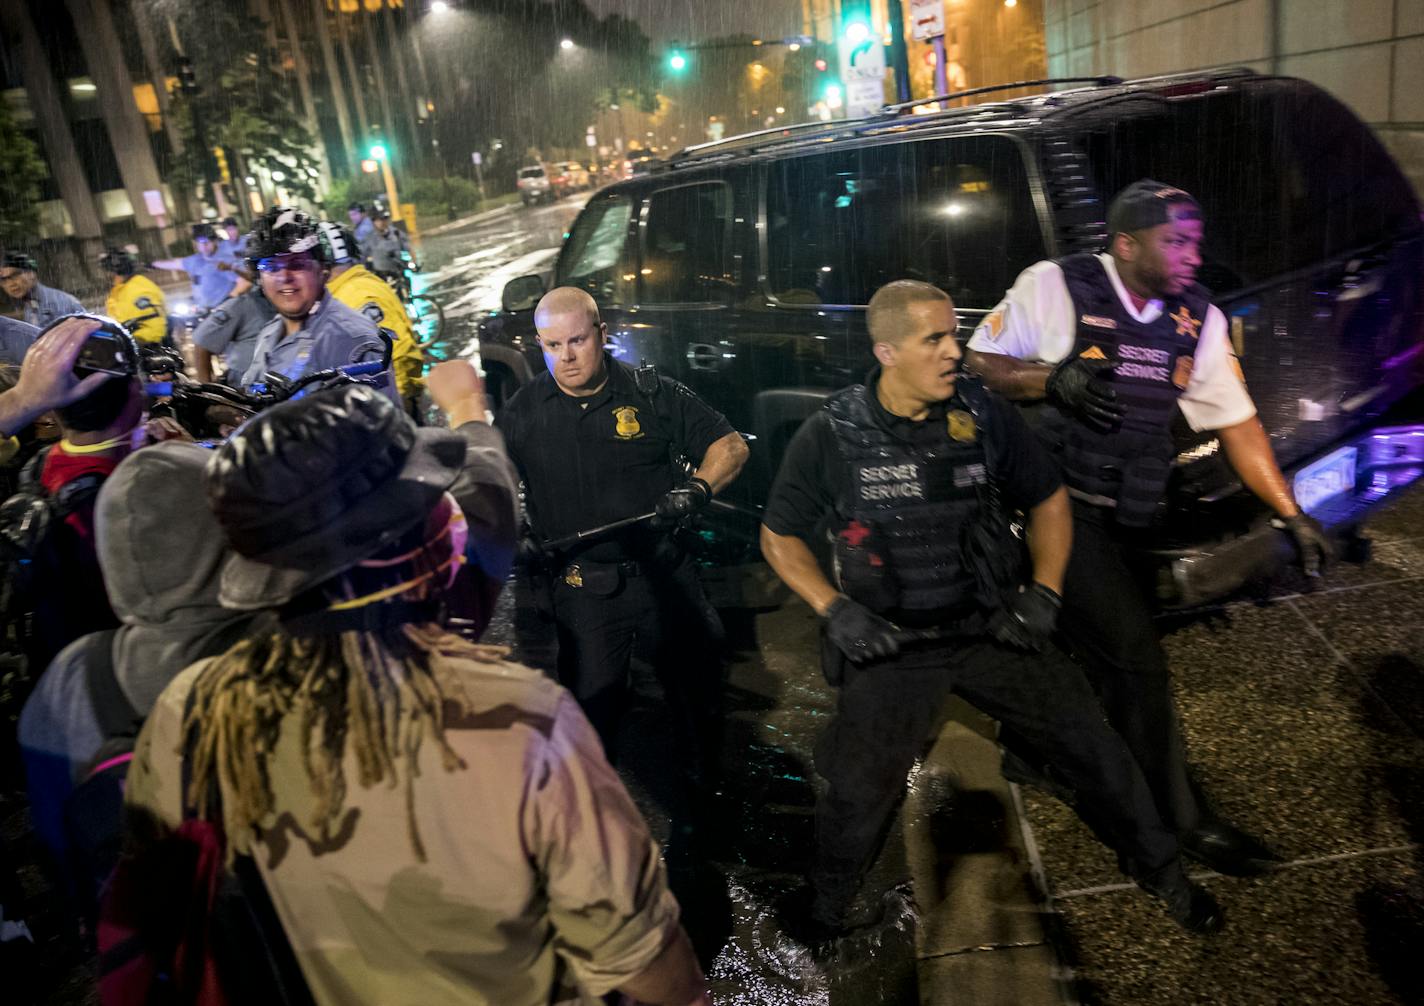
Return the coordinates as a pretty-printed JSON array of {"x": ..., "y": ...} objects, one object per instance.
[{"x": 742, "y": 268}]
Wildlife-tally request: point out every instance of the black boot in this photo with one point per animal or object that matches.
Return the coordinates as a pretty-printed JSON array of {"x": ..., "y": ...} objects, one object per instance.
[
  {"x": 1190, "y": 905},
  {"x": 1227, "y": 849}
]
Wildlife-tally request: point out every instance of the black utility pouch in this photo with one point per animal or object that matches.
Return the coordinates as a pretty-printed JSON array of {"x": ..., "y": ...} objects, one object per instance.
[{"x": 862, "y": 568}]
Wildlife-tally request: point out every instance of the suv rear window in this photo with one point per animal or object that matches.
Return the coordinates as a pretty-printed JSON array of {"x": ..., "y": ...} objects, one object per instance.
[
  {"x": 593, "y": 259},
  {"x": 1286, "y": 180},
  {"x": 530, "y": 173},
  {"x": 955, "y": 212},
  {"x": 685, "y": 245}
]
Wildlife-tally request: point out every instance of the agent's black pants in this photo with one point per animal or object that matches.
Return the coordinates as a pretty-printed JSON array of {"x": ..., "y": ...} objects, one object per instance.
[
  {"x": 1107, "y": 624},
  {"x": 884, "y": 715},
  {"x": 663, "y": 609}
]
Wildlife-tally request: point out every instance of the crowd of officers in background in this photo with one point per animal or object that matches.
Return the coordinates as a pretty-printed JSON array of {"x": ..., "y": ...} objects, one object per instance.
[{"x": 291, "y": 612}]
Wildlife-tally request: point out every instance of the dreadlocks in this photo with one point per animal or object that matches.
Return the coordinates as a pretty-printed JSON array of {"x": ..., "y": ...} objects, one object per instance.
[{"x": 375, "y": 694}]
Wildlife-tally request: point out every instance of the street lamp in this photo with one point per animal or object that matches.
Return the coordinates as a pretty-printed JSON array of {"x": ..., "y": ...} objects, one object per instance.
[
  {"x": 566, "y": 44},
  {"x": 439, "y": 7}
]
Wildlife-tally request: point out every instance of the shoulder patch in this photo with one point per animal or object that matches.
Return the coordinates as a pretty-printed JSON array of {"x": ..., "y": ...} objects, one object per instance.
[{"x": 373, "y": 311}]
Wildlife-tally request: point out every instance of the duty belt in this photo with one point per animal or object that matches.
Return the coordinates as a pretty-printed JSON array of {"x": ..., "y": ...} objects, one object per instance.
[{"x": 573, "y": 573}]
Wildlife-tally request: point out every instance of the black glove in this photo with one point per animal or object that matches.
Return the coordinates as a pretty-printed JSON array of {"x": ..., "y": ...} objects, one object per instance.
[
  {"x": 531, "y": 555},
  {"x": 859, "y": 633},
  {"x": 1315, "y": 548},
  {"x": 1077, "y": 385},
  {"x": 1027, "y": 621},
  {"x": 687, "y": 498}
]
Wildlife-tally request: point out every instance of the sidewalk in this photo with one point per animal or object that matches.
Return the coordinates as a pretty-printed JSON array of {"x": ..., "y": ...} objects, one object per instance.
[{"x": 1304, "y": 715}]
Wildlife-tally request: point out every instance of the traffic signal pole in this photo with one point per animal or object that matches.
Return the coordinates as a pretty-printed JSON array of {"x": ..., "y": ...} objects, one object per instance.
[{"x": 899, "y": 57}]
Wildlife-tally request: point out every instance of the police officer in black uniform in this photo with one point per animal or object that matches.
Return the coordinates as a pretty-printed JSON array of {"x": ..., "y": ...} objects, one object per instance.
[
  {"x": 911, "y": 477},
  {"x": 1118, "y": 344},
  {"x": 596, "y": 442}
]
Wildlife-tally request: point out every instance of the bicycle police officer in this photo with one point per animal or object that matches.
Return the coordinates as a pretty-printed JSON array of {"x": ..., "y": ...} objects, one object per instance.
[{"x": 312, "y": 330}]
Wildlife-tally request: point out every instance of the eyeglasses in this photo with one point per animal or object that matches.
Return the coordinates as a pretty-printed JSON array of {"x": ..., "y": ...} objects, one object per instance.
[{"x": 281, "y": 263}]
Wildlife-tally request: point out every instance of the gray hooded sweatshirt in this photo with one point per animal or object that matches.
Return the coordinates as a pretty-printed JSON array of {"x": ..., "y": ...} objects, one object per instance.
[{"x": 161, "y": 551}]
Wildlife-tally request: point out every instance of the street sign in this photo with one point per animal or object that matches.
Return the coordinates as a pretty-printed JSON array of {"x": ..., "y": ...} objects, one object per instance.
[
  {"x": 477, "y": 158},
  {"x": 862, "y": 61},
  {"x": 926, "y": 19},
  {"x": 864, "y": 97}
]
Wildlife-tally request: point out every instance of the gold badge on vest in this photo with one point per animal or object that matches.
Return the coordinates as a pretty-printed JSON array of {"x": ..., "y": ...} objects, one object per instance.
[
  {"x": 961, "y": 426},
  {"x": 626, "y": 418}
]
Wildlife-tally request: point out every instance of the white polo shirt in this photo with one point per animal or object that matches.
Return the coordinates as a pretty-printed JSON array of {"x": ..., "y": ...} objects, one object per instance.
[{"x": 1036, "y": 323}]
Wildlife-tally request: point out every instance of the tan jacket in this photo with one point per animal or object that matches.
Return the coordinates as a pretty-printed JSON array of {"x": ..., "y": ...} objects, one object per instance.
[{"x": 540, "y": 873}]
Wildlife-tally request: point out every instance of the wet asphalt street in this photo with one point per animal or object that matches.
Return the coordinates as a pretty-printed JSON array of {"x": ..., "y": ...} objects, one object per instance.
[{"x": 1304, "y": 711}]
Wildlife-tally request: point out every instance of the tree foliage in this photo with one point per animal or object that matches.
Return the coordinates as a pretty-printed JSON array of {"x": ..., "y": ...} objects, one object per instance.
[
  {"x": 246, "y": 105},
  {"x": 22, "y": 171}
]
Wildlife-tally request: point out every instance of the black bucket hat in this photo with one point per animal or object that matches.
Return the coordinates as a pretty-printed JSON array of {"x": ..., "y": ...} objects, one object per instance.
[{"x": 311, "y": 487}]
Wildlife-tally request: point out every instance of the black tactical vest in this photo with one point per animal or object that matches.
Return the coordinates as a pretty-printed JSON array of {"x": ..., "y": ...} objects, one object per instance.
[
  {"x": 912, "y": 501},
  {"x": 1128, "y": 466}
]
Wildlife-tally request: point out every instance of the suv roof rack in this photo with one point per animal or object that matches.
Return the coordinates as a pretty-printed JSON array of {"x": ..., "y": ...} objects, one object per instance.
[
  {"x": 904, "y": 106},
  {"x": 891, "y": 118}
]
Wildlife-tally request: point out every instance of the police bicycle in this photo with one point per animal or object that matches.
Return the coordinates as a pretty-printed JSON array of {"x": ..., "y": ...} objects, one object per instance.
[{"x": 427, "y": 315}]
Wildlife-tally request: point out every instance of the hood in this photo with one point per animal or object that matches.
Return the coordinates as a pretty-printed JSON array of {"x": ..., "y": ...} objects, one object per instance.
[{"x": 162, "y": 551}]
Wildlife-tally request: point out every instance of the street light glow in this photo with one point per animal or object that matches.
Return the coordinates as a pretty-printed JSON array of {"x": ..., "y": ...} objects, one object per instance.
[
  {"x": 678, "y": 61},
  {"x": 857, "y": 32},
  {"x": 1011, "y": 3},
  {"x": 566, "y": 44},
  {"x": 439, "y": 7}
]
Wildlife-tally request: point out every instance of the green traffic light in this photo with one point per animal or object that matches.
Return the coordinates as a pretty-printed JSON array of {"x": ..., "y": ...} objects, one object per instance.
[
  {"x": 677, "y": 62},
  {"x": 378, "y": 151}
]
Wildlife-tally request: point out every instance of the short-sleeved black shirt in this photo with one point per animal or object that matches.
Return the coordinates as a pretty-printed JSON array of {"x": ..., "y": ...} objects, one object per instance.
[
  {"x": 591, "y": 461},
  {"x": 813, "y": 475}
]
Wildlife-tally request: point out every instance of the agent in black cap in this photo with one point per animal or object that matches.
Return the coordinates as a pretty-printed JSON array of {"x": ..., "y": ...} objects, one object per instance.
[
  {"x": 1118, "y": 343},
  {"x": 211, "y": 268},
  {"x": 40, "y": 305}
]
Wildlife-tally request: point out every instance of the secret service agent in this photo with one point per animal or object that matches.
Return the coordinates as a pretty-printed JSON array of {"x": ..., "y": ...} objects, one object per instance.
[
  {"x": 1119, "y": 344},
  {"x": 911, "y": 475},
  {"x": 593, "y": 447}
]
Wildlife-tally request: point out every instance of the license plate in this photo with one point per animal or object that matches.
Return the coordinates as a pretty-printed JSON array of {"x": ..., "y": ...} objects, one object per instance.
[{"x": 1329, "y": 477}]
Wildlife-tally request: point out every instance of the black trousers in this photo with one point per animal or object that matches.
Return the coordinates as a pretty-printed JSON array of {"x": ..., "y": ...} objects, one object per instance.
[
  {"x": 1107, "y": 625},
  {"x": 885, "y": 712},
  {"x": 662, "y": 609}
]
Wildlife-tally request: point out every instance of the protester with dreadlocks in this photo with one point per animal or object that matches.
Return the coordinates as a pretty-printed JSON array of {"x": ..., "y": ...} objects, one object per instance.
[{"x": 389, "y": 890}]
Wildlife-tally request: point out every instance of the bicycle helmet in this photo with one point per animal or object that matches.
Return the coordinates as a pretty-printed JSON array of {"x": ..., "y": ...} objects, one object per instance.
[
  {"x": 120, "y": 261},
  {"x": 342, "y": 242},
  {"x": 283, "y": 230}
]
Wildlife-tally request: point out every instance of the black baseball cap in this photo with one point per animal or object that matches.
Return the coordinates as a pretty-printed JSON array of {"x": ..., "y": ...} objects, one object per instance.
[{"x": 1148, "y": 203}]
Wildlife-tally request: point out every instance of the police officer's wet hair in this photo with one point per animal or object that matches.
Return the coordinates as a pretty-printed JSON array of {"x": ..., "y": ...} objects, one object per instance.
[
  {"x": 204, "y": 232},
  {"x": 230, "y": 222},
  {"x": 884, "y": 315}
]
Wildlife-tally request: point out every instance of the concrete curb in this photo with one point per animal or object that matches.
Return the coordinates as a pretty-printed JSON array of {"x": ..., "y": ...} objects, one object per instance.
[{"x": 469, "y": 221}]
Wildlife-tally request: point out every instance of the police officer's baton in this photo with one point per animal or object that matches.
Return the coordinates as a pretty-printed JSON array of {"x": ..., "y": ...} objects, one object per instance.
[{"x": 618, "y": 525}]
